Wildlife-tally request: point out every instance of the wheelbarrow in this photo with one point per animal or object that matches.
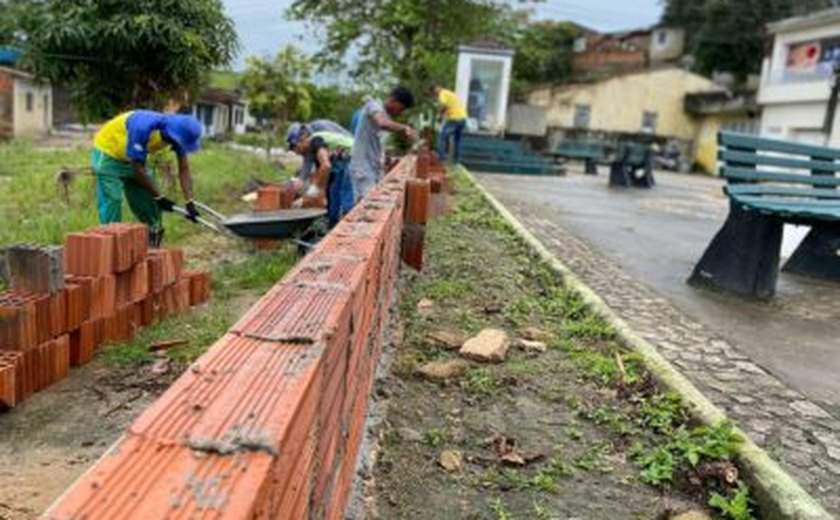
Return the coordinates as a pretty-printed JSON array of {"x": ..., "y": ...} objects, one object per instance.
[{"x": 287, "y": 224}]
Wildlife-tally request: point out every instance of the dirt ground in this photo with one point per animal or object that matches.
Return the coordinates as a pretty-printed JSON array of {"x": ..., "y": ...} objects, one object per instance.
[
  {"x": 53, "y": 438},
  {"x": 578, "y": 436}
]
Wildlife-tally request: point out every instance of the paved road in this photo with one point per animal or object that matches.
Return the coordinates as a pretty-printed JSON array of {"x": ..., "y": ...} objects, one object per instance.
[{"x": 775, "y": 367}]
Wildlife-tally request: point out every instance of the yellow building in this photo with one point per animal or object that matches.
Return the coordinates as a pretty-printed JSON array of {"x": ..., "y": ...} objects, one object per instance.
[
  {"x": 716, "y": 111},
  {"x": 649, "y": 102}
]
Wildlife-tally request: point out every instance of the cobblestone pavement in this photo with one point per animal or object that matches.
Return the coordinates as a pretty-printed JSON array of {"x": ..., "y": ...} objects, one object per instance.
[{"x": 795, "y": 430}]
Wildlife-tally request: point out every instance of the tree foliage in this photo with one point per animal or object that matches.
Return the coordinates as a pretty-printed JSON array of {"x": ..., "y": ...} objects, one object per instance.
[
  {"x": 411, "y": 40},
  {"x": 543, "y": 53},
  {"x": 334, "y": 103},
  {"x": 113, "y": 54},
  {"x": 730, "y": 35},
  {"x": 278, "y": 88}
]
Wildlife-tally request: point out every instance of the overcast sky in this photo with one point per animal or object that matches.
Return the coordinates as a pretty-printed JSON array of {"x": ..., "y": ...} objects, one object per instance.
[{"x": 262, "y": 29}]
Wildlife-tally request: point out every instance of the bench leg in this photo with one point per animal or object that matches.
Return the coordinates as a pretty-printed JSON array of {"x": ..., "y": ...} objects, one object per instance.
[
  {"x": 591, "y": 167},
  {"x": 819, "y": 254},
  {"x": 743, "y": 258},
  {"x": 618, "y": 175}
]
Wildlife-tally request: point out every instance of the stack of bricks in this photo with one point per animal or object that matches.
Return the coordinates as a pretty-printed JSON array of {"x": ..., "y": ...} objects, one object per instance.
[
  {"x": 270, "y": 420},
  {"x": 64, "y": 302},
  {"x": 272, "y": 198}
]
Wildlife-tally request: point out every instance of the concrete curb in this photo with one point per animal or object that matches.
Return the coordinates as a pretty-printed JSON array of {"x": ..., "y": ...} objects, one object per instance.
[{"x": 778, "y": 494}]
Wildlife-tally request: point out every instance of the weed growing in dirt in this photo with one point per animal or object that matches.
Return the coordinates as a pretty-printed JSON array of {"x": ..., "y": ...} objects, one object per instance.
[
  {"x": 592, "y": 458},
  {"x": 480, "y": 382},
  {"x": 556, "y": 469},
  {"x": 737, "y": 506},
  {"x": 686, "y": 448},
  {"x": 435, "y": 438},
  {"x": 498, "y": 508}
]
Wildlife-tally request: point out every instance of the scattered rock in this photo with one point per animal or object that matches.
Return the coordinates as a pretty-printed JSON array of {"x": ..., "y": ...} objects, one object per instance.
[
  {"x": 692, "y": 515},
  {"x": 443, "y": 370},
  {"x": 449, "y": 339},
  {"x": 451, "y": 460},
  {"x": 490, "y": 345},
  {"x": 409, "y": 435},
  {"x": 535, "y": 334},
  {"x": 532, "y": 347},
  {"x": 159, "y": 367},
  {"x": 426, "y": 307},
  {"x": 513, "y": 458}
]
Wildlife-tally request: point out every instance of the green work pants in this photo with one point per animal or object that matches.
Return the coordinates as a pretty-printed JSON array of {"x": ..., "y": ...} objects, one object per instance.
[{"x": 115, "y": 178}]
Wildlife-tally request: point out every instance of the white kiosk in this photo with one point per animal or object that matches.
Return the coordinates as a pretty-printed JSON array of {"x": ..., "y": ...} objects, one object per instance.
[{"x": 483, "y": 84}]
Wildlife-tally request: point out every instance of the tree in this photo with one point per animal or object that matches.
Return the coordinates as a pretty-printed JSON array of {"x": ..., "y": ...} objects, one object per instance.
[
  {"x": 113, "y": 55},
  {"x": 411, "y": 40},
  {"x": 277, "y": 89},
  {"x": 729, "y": 35},
  {"x": 543, "y": 53},
  {"x": 330, "y": 102}
]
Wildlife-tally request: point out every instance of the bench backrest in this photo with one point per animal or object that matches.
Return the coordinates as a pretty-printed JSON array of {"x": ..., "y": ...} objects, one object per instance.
[
  {"x": 593, "y": 148},
  {"x": 635, "y": 154},
  {"x": 751, "y": 159}
]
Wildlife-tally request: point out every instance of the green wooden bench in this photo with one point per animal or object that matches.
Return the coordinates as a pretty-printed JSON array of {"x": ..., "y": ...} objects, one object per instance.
[
  {"x": 633, "y": 166},
  {"x": 590, "y": 152},
  {"x": 769, "y": 183}
]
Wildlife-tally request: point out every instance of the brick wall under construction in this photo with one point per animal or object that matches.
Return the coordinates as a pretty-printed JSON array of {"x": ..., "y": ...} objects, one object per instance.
[{"x": 268, "y": 423}]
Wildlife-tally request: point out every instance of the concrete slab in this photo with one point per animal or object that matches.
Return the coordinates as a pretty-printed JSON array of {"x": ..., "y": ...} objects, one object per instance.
[{"x": 657, "y": 235}]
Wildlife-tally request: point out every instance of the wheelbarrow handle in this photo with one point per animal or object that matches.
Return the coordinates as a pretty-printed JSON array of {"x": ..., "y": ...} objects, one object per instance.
[
  {"x": 206, "y": 223},
  {"x": 210, "y": 211}
]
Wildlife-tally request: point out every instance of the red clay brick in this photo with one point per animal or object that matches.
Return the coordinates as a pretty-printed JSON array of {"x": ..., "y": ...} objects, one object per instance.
[
  {"x": 89, "y": 254},
  {"x": 10, "y": 372},
  {"x": 83, "y": 344}
]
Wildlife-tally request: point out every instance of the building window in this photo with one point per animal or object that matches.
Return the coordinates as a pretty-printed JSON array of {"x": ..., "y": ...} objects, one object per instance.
[
  {"x": 582, "y": 116},
  {"x": 662, "y": 37},
  {"x": 30, "y": 102},
  {"x": 649, "y": 122},
  {"x": 579, "y": 44}
]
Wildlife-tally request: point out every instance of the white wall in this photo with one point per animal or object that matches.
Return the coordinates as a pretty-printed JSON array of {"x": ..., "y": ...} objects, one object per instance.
[
  {"x": 795, "y": 109},
  {"x": 35, "y": 119}
]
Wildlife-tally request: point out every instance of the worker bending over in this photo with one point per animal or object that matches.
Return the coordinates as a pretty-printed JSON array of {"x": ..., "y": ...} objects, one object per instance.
[
  {"x": 330, "y": 185},
  {"x": 120, "y": 152},
  {"x": 368, "y": 162}
]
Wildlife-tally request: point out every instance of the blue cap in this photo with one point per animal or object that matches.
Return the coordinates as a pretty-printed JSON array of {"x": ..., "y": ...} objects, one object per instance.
[
  {"x": 185, "y": 131},
  {"x": 295, "y": 134}
]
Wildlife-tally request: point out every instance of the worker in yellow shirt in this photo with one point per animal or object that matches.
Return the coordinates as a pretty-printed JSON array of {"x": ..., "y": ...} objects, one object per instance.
[
  {"x": 454, "y": 116},
  {"x": 120, "y": 150}
]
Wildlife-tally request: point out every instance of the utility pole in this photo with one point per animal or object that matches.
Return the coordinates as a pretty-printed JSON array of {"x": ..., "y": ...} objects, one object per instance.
[{"x": 831, "y": 110}]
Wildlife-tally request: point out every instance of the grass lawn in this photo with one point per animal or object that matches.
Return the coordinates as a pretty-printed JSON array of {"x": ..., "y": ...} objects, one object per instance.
[{"x": 33, "y": 208}]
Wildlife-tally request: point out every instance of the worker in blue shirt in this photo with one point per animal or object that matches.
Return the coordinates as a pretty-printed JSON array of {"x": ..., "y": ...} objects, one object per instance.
[{"x": 121, "y": 149}]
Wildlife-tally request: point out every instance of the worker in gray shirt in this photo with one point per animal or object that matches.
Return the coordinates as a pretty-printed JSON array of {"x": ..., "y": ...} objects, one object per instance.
[{"x": 367, "y": 164}]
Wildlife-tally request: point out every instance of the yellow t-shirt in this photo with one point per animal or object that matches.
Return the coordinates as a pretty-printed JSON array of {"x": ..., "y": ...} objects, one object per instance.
[
  {"x": 455, "y": 110},
  {"x": 112, "y": 139}
]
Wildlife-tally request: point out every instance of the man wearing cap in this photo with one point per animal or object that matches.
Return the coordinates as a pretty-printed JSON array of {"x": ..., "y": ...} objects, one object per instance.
[
  {"x": 121, "y": 148},
  {"x": 298, "y": 131}
]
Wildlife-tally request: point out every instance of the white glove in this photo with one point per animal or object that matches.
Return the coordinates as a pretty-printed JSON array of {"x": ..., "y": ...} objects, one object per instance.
[{"x": 312, "y": 192}]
